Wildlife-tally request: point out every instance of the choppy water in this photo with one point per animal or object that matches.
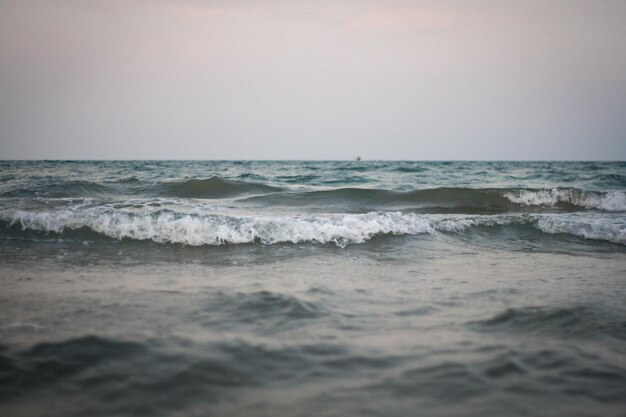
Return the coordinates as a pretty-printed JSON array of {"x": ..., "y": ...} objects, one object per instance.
[{"x": 313, "y": 288}]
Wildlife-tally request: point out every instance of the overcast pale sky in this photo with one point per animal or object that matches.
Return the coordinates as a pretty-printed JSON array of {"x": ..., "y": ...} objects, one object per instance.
[{"x": 250, "y": 79}]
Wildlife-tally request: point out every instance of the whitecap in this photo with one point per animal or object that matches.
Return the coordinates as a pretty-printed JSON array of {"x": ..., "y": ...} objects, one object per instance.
[
  {"x": 218, "y": 229},
  {"x": 606, "y": 200}
]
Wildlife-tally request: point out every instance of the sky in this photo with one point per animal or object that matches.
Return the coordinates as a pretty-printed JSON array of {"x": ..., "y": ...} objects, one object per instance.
[{"x": 254, "y": 79}]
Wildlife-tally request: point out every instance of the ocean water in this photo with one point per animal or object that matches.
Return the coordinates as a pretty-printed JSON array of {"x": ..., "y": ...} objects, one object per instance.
[{"x": 301, "y": 288}]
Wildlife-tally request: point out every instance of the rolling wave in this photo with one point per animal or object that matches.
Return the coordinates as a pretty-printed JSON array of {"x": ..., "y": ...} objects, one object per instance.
[
  {"x": 217, "y": 229},
  {"x": 56, "y": 189},
  {"x": 214, "y": 187},
  {"x": 341, "y": 199},
  {"x": 460, "y": 200},
  {"x": 606, "y": 201},
  {"x": 372, "y": 199},
  {"x": 214, "y": 228}
]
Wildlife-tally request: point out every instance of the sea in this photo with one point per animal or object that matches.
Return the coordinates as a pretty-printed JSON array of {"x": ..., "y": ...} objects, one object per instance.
[{"x": 312, "y": 288}]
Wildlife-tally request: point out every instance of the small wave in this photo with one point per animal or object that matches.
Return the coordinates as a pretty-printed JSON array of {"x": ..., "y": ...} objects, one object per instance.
[
  {"x": 411, "y": 169},
  {"x": 460, "y": 224},
  {"x": 449, "y": 381},
  {"x": 376, "y": 199},
  {"x": 214, "y": 187},
  {"x": 23, "y": 326},
  {"x": 267, "y": 304},
  {"x": 607, "y": 201},
  {"x": 534, "y": 319},
  {"x": 610, "y": 180},
  {"x": 578, "y": 321},
  {"x": 95, "y": 367},
  {"x": 264, "y": 310},
  {"x": 597, "y": 229},
  {"x": 56, "y": 189},
  {"x": 45, "y": 364},
  {"x": 602, "y": 227},
  {"x": 128, "y": 180}
]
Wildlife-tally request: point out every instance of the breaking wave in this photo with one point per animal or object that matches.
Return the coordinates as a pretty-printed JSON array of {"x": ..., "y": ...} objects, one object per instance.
[
  {"x": 608, "y": 228},
  {"x": 606, "y": 201},
  {"x": 198, "y": 228},
  {"x": 599, "y": 229},
  {"x": 219, "y": 229}
]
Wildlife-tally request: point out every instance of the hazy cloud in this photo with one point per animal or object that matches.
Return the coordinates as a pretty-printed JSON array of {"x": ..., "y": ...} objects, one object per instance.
[{"x": 321, "y": 80}]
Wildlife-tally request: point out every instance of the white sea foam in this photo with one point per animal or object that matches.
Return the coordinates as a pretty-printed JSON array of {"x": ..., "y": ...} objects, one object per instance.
[
  {"x": 461, "y": 223},
  {"x": 23, "y": 326},
  {"x": 585, "y": 227},
  {"x": 607, "y": 201},
  {"x": 211, "y": 228},
  {"x": 216, "y": 229},
  {"x": 609, "y": 227}
]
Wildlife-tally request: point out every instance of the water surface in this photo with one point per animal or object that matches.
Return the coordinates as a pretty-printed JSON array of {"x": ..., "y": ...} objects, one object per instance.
[{"x": 312, "y": 288}]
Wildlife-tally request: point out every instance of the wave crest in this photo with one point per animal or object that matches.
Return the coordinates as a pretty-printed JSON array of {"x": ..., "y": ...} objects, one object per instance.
[
  {"x": 198, "y": 225},
  {"x": 443, "y": 199},
  {"x": 218, "y": 229},
  {"x": 606, "y": 201},
  {"x": 600, "y": 229},
  {"x": 214, "y": 187}
]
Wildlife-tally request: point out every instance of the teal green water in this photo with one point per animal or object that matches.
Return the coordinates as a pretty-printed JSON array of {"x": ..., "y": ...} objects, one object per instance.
[{"x": 227, "y": 203}]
